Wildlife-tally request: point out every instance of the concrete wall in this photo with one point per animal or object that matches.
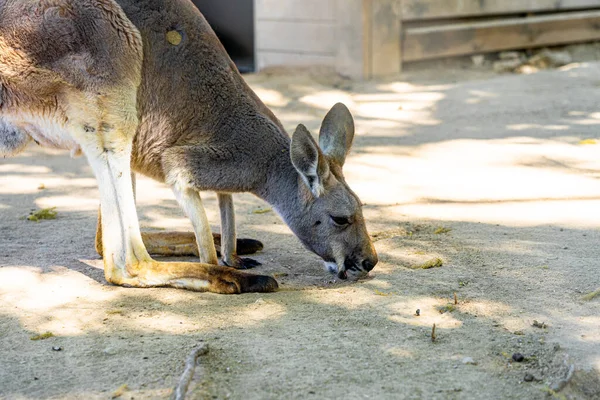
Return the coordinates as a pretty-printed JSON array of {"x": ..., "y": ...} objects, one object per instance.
[
  {"x": 295, "y": 32},
  {"x": 359, "y": 38}
]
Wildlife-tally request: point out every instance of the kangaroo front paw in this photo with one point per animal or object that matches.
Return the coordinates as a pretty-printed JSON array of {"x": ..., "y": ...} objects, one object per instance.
[{"x": 241, "y": 263}]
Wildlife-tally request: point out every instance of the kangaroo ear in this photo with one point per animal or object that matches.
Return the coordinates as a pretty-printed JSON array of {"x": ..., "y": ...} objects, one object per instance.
[
  {"x": 308, "y": 160},
  {"x": 337, "y": 133}
]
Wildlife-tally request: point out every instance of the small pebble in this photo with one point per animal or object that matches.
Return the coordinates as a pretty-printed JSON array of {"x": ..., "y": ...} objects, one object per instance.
[
  {"x": 518, "y": 357},
  {"x": 528, "y": 377},
  {"x": 468, "y": 361},
  {"x": 418, "y": 312},
  {"x": 56, "y": 348}
]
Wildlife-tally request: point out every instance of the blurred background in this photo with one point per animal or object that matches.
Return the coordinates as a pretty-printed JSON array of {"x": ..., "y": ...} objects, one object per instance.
[{"x": 374, "y": 38}]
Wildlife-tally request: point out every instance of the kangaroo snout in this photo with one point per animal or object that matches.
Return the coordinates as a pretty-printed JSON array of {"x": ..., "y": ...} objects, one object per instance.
[
  {"x": 357, "y": 266},
  {"x": 370, "y": 258},
  {"x": 370, "y": 263}
]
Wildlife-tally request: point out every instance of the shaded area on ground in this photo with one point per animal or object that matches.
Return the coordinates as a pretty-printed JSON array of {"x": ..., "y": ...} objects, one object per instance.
[{"x": 497, "y": 163}]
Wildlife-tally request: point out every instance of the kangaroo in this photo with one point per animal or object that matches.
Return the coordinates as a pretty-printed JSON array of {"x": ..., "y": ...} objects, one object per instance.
[{"x": 147, "y": 84}]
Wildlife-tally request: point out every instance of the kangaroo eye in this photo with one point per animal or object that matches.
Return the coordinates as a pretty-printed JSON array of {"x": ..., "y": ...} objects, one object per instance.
[{"x": 340, "y": 221}]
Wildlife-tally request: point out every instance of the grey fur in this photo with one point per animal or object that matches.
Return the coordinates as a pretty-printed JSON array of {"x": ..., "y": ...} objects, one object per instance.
[
  {"x": 308, "y": 160},
  {"x": 12, "y": 140},
  {"x": 336, "y": 138},
  {"x": 228, "y": 233}
]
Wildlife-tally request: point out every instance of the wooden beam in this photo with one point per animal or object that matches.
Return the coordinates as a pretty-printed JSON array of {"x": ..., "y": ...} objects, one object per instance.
[
  {"x": 369, "y": 38},
  {"x": 386, "y": 38},
  {"x": 352, "y": 57},
  {"x": 295, "y": 10},
  {"x": 505, "y": 34},
  {"x": 414, "y": 10}
]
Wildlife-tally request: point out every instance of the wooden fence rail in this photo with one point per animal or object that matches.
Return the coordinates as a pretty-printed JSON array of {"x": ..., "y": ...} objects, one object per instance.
[
  {"x": 415, "y": 10},
  {"x": 503, "y": 34},
  {"x": 446, "y": 28}
]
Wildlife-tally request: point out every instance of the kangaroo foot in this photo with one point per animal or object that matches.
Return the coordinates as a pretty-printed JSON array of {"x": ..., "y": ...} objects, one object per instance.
[
  {"x": 173, "y": 244},
  {"x": 237, "y": 282},
  {"x": 192, "y": 276},
  {"x": 241, "y": 262}
]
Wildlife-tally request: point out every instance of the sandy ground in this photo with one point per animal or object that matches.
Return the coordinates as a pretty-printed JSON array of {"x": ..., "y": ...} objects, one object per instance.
[{"x": 496, "y": 161}]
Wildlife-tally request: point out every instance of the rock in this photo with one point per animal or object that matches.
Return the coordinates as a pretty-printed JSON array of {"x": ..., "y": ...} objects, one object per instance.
[
  {"x": 549, "y": 59},
  {"x": 518, "y": 357},
  {"x": 584, "y": 52},
  {"x": 478, "y": 60},
  {"x": 509, "y": 55},
  {"x": 527, "y": 69},
  {"x": 528, "y": 377},
  {"x": 109, "y": 351},
  {"x": 468, "y": 361},
  {"x": 507, "y": 65}
]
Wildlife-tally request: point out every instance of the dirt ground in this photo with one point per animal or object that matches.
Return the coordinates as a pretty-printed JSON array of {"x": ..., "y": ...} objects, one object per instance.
[{"x": 492, "y": 174}]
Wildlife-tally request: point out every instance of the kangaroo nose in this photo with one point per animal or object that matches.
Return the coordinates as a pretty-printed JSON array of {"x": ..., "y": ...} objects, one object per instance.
[{"x": 369, "y": 264}]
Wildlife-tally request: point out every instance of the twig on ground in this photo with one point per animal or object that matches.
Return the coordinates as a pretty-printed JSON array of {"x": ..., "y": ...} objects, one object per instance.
[
  {"x": 591, "y": 296},
  {"x": 433, "y": 337},
  {"x": 120, "y": 391},
  {"x": 190, "y": 366},
  {"x": 435, "y": 263}
]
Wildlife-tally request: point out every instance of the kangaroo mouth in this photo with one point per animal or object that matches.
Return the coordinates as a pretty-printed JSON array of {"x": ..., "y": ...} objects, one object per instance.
[
  {"x": 341, "y": 270},
  {"x": 334, "y": 269}
]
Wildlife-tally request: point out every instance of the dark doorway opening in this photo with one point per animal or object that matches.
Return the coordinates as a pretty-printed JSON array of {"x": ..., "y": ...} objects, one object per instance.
[{"x": 233, "y": 22}]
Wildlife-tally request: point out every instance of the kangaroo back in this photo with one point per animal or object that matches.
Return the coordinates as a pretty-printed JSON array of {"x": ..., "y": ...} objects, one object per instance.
[{"x": 191, "y": 91}]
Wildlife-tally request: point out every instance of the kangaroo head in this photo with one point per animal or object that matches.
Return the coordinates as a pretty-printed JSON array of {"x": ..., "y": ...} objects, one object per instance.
[{"x": 331, "y": 223}]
